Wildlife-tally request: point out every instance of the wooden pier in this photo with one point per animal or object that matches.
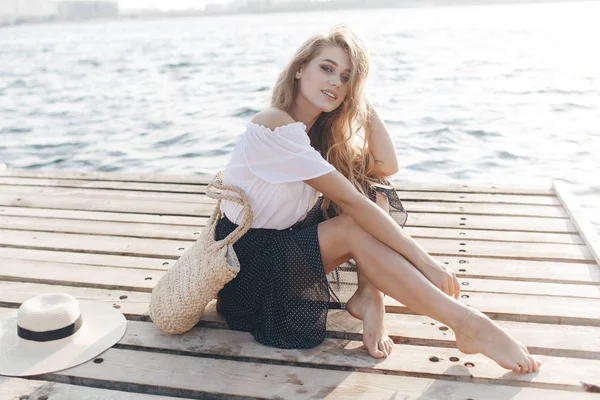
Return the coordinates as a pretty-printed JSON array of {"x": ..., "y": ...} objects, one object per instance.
[{"x": 523, "y": 255}]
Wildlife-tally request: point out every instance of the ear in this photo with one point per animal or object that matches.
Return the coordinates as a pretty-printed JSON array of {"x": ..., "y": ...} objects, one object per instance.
[{"x": 299, "y": 73}]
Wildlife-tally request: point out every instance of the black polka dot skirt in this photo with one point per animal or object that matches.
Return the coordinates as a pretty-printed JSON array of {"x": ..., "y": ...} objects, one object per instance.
[{"x": 281, "y": 294}]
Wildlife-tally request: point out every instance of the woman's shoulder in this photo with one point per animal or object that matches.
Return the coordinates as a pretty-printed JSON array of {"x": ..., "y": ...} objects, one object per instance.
[{"x": 273, "y": 119}]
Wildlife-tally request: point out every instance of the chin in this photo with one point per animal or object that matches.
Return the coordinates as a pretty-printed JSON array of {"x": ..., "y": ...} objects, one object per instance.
[
  {"x": 324, "y": 106},
  {"x": 332, "y": 108},
  {"x": 327, "y": 108}
]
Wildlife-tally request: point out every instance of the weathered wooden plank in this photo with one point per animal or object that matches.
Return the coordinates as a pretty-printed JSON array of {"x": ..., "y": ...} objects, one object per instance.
[
  {"x": 21, "y": 389},
  {"x": 148, "y": 247},
  {"x": 589, "y": 234},
  {"x": 492, "y": 222},
  {"x": 156, "y": 202},
  {"x": 534, "y": 251},
  {"x": 507, "y": 286},
  {"x": 133, "y": 206},
  {"x": 94, "y": 243},
  {"x": 411, "y": 206},
  {"x": 204, "y": 179},
  {"x": 116, "y": 194},
  {"x": 108, "y": 228},
  {"x": 548, "y": 339},
  {"x": 104, "y": 216},
  {"x": 55, "y": 222},
  {"x": 533, "y": 271},
  {"x": 86, "y": 258},
  {"x": 557, "y": 340},
  {"x": 134, "y": 305},
  {"x": 490, "y": 235},
  {"x": 531, "y": 288},
  {"x": 466, "y": 267},
  {"x": 484, "y": 198},
  {"x": 196, "y": 377},
  {"x": 520, "y": 307},
  {"x": 136, "y": 279},
  {"x": 141, "y": 280},
  {"x": 405, "y": 195},
  {"x": 107, "y": 176},
  {"x": 103, "y": 184},
  {"x": 563, "y": 373},
  {"x": 461, "y": 221},
  {"x": 557, "y": 372},
  {"x": 485, "y": 209}
]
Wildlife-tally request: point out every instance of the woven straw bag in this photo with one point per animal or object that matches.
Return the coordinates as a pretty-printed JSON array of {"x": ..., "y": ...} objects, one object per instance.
[{"x": 180, "y": 296}]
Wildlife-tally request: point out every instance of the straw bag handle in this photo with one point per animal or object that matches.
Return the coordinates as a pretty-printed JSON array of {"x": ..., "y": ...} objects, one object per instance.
[{"x": 212, "y": 192}]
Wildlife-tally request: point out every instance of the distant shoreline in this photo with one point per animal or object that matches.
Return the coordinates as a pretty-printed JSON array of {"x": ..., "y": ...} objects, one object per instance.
[{"x": 298, "y": 8}]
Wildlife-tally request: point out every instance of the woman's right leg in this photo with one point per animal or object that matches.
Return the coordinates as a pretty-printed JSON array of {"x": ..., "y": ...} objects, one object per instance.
[
  {"x": 340, "y": 238},
  {"x": 367, "y": 304}
]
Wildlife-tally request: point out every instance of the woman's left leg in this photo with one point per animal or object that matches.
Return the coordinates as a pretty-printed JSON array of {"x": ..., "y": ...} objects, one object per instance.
[{"x": 367, "y": 305}]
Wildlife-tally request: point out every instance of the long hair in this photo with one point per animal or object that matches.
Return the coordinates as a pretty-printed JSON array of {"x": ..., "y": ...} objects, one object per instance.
[{"x": 337, "y": 134}]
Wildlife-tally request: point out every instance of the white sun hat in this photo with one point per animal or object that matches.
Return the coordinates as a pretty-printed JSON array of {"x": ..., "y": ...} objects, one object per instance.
[{"x": 53, "y": 331}]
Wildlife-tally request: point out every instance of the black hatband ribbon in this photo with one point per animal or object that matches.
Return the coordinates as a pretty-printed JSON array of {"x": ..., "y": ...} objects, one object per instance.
[{"x": 47, "y": 336}]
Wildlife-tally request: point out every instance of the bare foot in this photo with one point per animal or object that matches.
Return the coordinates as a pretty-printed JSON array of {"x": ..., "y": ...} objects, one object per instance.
[
  {"x": 367, "y": 305},
  {"x": 479, "y": 334}
]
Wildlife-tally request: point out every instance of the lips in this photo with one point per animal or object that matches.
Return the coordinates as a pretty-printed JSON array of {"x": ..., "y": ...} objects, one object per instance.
[{"x": 329, "y": 94}]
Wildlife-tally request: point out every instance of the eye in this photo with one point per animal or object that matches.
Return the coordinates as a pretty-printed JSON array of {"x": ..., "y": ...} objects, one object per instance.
[
  {"x": 347, "y": 79},
  {"x": 326, "y": 68}
]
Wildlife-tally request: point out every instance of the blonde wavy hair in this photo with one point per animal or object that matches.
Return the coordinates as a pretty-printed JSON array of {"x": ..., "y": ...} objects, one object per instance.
[{"x": 336, "y": 135}]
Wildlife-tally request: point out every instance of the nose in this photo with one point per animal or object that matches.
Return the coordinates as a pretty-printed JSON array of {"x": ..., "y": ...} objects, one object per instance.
[{"x": 335, "y": 82}]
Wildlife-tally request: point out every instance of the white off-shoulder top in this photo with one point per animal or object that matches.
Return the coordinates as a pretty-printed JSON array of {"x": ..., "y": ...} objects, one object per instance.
[{"x": 270, "y": 166}]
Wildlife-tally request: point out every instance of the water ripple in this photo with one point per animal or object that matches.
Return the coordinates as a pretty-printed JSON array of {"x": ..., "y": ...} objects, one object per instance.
[
  {"x": 174, "y": 140},
  {"x": 481, "y": 133},
  {"x": 245, "y": 112}
]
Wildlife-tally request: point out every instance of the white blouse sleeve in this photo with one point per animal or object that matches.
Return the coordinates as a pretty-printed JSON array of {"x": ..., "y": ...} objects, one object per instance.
[{"x": 282, "y": 155}]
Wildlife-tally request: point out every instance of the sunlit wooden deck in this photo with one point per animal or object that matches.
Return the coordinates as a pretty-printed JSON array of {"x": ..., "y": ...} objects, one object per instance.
[{"x": 524, "y": 256}]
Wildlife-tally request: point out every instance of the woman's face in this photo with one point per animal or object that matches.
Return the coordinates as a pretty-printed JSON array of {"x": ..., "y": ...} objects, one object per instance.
[{"x": 324, "y": 81}]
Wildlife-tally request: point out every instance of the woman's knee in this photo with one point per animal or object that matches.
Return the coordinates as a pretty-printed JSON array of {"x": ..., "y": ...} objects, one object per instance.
[
  {"x": 342, "y": 230},
  {"x": 335, "y": 241},
  {"x": 345, "y": 234},
  {"x": 349, "y": 228},
  {"x": 355, "y": 234}
]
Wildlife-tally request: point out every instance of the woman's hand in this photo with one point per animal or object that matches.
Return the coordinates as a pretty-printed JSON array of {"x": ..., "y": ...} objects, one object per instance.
[{"x": 443, "y": 278}]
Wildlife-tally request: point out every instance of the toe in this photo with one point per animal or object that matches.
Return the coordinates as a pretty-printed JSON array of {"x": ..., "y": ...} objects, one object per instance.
[
  {"x": 524, "y": 366},
  {"x": 374, "y": 351},
  {"x": 519, "y": 369},
  {"x": 536, "y": 364},
  {"x": 383, "y": 348},
  {"x": 378, "y": 354},
  {"x": 529, "y": 361},
  {"x": 390, "y": 346}
]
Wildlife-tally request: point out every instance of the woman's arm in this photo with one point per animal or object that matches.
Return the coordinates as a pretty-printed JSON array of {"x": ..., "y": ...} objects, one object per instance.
[
  {"x": 371, "y": 218},
  {"x": 382, "y": 226},
  {"x": 381, "y": 145}
]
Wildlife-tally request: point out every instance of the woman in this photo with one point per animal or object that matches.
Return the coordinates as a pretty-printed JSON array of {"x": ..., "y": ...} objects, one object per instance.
[{"x": 306, "y": 143}]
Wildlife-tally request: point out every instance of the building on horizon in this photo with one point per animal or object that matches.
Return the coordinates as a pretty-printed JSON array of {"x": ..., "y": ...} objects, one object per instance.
[
  {"x": 81, "y": 10},
  {"x": 26, "y": 9}
]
